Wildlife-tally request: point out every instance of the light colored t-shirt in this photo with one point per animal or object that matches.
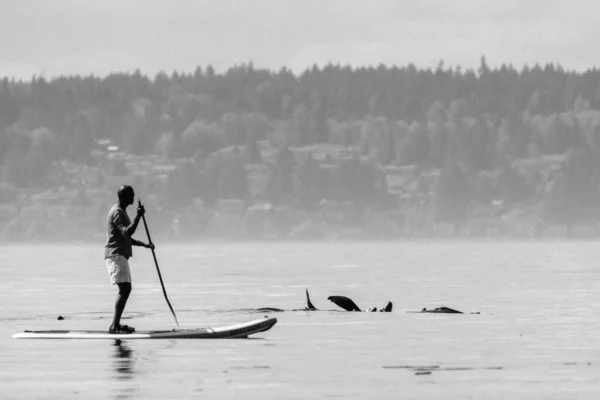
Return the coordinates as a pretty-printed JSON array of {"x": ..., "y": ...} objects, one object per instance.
[{"x": 117, "y": 240}]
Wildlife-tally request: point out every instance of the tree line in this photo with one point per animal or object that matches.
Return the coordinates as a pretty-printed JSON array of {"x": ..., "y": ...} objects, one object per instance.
[{"x": 464, "y": 122}]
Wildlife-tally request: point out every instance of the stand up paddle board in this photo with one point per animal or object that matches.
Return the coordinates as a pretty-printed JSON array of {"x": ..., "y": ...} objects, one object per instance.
[{"x": 226, "y": 332}]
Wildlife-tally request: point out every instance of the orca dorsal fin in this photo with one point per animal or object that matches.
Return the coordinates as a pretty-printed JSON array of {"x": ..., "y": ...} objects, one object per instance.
[{"x": 309, "y": 304}]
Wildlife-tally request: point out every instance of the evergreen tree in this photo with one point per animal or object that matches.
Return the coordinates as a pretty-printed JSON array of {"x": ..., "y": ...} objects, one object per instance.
[{"x": 9, "y": 114}]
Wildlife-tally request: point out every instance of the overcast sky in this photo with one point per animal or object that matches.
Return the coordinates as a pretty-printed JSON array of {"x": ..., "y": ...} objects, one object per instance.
[{"x": 58, "y": 37}]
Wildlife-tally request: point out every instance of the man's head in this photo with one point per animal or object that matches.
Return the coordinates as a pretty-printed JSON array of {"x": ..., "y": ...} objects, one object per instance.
[{"x": 126, "y": 195}]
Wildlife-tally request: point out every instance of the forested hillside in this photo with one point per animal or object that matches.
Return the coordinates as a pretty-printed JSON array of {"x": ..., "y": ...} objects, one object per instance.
[{"x": 482, "y": 150}]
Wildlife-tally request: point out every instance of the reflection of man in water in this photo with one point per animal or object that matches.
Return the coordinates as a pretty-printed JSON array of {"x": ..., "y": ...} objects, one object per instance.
[
  {"x": 123, "y": 358},
  {"x": 118, "y": 251}
]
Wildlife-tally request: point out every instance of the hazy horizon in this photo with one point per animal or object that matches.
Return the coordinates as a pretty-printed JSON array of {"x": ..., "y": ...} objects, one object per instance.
[{"x": 101, "y": 37}]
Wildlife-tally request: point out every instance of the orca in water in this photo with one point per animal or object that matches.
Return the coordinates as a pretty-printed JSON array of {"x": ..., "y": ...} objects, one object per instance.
[
  {"x": 309, "y": 306},
  {"x": 347, "y": 304},
  {"x": 442, "y": 310},
  {"x": 341, "y": 301}
]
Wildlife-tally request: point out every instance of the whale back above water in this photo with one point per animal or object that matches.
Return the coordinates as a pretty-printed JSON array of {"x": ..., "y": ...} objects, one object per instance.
[{"x": 442, "y": 310}]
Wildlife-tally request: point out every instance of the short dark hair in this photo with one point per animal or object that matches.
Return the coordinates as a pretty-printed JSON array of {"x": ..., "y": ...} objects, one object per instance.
[{"x": 124, "y": 191}]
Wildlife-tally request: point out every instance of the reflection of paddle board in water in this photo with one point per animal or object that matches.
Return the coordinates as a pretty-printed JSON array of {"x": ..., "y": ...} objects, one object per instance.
[
  {"x": 225, "y": 332},
  {"x": 341, "y": 301}
]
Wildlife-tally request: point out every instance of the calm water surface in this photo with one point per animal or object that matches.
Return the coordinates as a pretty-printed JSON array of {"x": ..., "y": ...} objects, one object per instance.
[{"x": 538, "y": 334}]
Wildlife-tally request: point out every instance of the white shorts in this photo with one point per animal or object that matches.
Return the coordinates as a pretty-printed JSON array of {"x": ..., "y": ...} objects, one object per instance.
[{"x": 118, "y": 269}]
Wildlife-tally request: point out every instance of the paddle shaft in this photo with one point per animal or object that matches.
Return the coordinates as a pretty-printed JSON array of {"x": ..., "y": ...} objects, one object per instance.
[{"x": 158, "y": 269}]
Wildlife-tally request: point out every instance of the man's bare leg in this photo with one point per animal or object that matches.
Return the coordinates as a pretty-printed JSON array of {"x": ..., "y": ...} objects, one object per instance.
[{"x": 124, "y": 291}]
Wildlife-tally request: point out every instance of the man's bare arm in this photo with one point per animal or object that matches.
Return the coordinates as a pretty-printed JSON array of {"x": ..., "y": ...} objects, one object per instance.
[
  {"x": 128, "y": 231},
  {"x": 136, "y": 242}
]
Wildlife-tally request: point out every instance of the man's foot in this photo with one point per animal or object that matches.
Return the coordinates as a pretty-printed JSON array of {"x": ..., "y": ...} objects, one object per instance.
[
  {"x": 118, "y": 331},
  {"x": 122, "y": 329},
  {"x": 127, "y": 328}
]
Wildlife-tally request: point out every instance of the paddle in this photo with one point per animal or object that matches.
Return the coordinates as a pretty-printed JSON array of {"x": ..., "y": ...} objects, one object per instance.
[{"x": 156, "y": 263}]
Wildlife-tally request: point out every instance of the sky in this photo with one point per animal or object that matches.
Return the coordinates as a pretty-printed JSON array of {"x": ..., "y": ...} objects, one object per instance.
[{"x": 65, "y": 37}]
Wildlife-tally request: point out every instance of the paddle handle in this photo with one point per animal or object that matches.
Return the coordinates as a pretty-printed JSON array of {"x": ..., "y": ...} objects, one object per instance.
[{"x": 156, "y": 264}]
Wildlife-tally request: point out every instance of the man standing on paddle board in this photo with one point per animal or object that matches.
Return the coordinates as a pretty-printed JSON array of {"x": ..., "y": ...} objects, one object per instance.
[{"x": 118, "y": 250}]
